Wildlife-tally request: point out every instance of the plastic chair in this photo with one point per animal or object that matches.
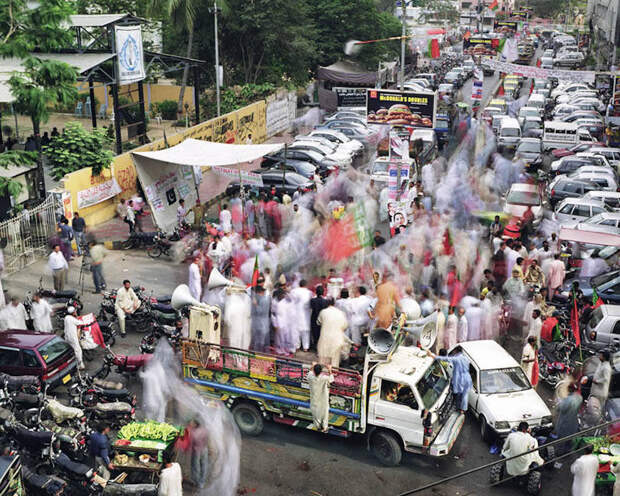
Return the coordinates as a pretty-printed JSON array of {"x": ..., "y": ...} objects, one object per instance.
[
  {"x": 87, "y": 107},
  {"x": 103, "y": 111},
  {"x": 79, "y": 109}
]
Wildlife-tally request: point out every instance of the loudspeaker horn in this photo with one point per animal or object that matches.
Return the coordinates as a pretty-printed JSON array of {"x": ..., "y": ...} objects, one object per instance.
[
  {"x": 182, "y": 296},
  {"x": 380, "y": 341},
  {"x": 423, "y": 331},
  {"x": 217, "y": 280}
]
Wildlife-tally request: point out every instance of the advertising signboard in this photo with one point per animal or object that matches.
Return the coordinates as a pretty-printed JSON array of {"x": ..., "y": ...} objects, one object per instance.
[
  {"x": 502, "y": 26},
  {"x": 480, "y": 45},
  {"x": 350, "y": 97},
  {"x": 398, "y": 108}
]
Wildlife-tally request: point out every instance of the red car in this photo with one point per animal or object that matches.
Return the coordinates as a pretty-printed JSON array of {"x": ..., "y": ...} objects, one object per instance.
[
  {"x": 581, "y": 147},
  {"x": 37, "y": 353}
]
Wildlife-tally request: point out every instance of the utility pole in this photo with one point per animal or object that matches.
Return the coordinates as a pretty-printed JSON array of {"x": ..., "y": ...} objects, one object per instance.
[
  {"x": 217, "y": 61},
  {"x": 403, "y": 5}
]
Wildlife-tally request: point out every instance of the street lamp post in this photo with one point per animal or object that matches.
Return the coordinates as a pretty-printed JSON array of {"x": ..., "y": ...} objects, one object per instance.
[
  {"x": 217, "y": 60},
  {"x": 403, "y": 5}
]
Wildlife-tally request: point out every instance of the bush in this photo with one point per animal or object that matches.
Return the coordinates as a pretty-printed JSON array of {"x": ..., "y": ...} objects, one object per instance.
[{"x": 167, "y": 109}]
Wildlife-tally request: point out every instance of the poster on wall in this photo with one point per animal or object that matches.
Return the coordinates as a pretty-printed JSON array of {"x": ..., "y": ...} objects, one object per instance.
[
  {"x": 129, "y": 54},
  {"x": 415, "y": 109},
  {"x": 98, "y": 193}
]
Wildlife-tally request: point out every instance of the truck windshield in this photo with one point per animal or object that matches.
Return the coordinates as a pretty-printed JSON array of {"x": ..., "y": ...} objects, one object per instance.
[
  {"x": 503, "y": 381},
  {"x": 432, "y": 384},
  {"x": 597, "y": 316}
]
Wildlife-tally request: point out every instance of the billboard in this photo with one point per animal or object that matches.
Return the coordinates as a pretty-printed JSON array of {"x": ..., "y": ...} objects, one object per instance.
[
  {"x": 350, "y": 97},
  {"x": 129, "y": 54},
  {"x": 398, "y": 108},
  {"x": 503, "y": 26},
  {"x": 480, "y": 45}
]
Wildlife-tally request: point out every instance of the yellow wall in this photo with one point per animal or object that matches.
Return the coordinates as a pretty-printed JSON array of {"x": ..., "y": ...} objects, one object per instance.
[
  {"x": 159, "y": 93},
  {"x": 230, "y": 128}
]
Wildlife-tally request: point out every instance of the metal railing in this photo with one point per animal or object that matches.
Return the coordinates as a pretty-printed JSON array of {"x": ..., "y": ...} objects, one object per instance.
[{"x": 24, "y": 238}]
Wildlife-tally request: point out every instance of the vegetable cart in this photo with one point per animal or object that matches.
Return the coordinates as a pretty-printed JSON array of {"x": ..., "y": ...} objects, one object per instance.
[
  {"x": 11, "y": 476},
  {"x": 140, "y": 447},
  {"x": 603, "y": 448}
]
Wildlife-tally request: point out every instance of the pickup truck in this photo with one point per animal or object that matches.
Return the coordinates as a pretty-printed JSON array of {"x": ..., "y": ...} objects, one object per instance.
[{"x": 401, "y": 401}]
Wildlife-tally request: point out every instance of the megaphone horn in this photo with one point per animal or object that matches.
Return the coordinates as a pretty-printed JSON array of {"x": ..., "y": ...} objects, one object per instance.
[
  {"x": 424, "y": 331},
  {"x": 380, "y": 341},
  {"x": 182, "y": 296},
  {"x": 217, "y": 280}
]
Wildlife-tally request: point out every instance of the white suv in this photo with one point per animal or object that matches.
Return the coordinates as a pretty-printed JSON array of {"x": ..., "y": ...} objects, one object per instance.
[{"x": 572, "y": 211}]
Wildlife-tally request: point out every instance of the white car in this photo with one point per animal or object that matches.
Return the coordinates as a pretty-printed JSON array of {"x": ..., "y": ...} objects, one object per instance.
[
  {"x": 610, "y": 198},
  {"x": 330, "y": 145},
  {"x": 343, "y": 159},
  {"x": 342, "y": 139},
  {"x": 608, "y": 222},
  {"x": 501, "y": 396},
  {"x": 572, "y": 211},
  {"x": 520, "y": 197}
]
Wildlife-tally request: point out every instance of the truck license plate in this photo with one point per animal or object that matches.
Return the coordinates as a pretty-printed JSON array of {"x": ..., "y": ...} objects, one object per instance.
[{"x": 66, "y": 378}]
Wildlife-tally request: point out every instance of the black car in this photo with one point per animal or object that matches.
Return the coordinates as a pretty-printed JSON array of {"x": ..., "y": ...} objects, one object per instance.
[
  {"x": 301, "y": 167},
  {"x": 278, "y": 180},
  {"x": 566, "y": 187},
  {"x": 324, "y": 166}
]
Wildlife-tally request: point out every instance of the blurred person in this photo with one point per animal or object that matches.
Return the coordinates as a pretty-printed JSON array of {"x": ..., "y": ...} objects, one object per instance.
[
  {"x": 170, "y": 478},
  {"x": 260, "y": 315},
  {"x": 195, "y": 278},
  {"x": 514, "y": 287},
  {"x": 529, "y": 361},
  {"x": 462, "y": 329},
  {"x": 332, "y": 339},
  {"x": 66, "y": 236},
  {"x": 181, "y": 214},
  {"x": 360, "y": 319},
  {"x": 97, "y": 254},
  {"x": 534, "y": 275},
  {"x": 41, "y": 314},
  {"x": 14, "y": 315},
  {"x": 99, "y": 449},
  {"x": 535, "y": 327},
  {"x": 461, "y": 379},
  {"x": 387, "y": 301},
  {"x": 555, "y": 277},
  {"x": 130, "y": 217},
  {"x": 474, "y": 321},
  {"x": 199, "y": 212},
  {"x": 451, "y": 330},
  {"x": 567, "y": 413},
  {"x": 602, "y": 378},
  {"x": 301, "y": 297},
  {"x": 79, "y": 227},
  {"x": 199, "y": 453},
  {"x": 317, "y": 304},
  {"x": 72, "y": 335},
  {"x": 319, "y": 380},
  {"x": 584, "y": 470}
]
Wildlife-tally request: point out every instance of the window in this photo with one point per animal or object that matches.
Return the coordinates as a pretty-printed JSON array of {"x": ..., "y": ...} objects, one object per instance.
[
  {"x": 432, "y": 384},
  {"x": 474, "y": 377},
  {"x": 53, "y": 349},
  {"x": 9, "y": 358},
  {"x": 566, "y": 209},
  {"x": 582, "y": 211},
  {"x": 597, "y": 210},
  {"x": 572, "y": 188},
  {"x": 30, "y": 359},
  {"x": 617, "y": 328},
  {"x": 608, "y": 222},
  {"x": 401, "y": 394},
  {"x": 503, "y": 381}
]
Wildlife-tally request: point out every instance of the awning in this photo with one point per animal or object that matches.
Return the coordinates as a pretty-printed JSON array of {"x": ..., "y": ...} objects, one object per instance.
[
  {"x": 589, "y": 237},
  {"x": 96, "y": 20},
  {"x": 15, "y": 170},
  {"x": 344, "y": 71},
  {"x": 206, "y": 153}
]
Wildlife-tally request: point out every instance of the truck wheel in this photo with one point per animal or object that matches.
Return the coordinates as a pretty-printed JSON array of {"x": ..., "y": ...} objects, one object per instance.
[
  {"x": 485, "y": 430},
  {"x": 534, "y": 483},
  {"x": 497, "y": 473},
  {"x": 248, "y": 418},
  {"x": 386, "y": 448}
]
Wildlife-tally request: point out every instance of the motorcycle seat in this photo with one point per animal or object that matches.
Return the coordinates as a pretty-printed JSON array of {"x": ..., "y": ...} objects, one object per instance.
[
  {"x": 116, "y": 406},
  {"x": 137, "y": 360},
  {"x": 44, "y": 483},
  {"x": 70, "y": 466},
  {"x": 163, "y": 307},
  {"x": 165, "y": 318},
  {"x": 107, "y": 385},
  {"x": 5, "y": 414},
  {"x": 114, "y": 489},
  {"x": 164, "y": 298},
  {"x": 67, "y": 293},
  {"x": 15, "y": 382},
  {"x": 36, "y": 438},
  {"x": 115, "y": 393},
  {"x": 26, "y": 399}
]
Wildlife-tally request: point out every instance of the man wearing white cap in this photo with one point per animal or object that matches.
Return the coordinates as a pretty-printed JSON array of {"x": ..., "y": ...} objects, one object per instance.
[{"x": 72, "y": 335}]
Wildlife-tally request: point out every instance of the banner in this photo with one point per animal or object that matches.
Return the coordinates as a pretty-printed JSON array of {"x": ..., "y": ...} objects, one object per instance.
[
  {"x": 278, "y": 120},
  {"x": 538, "y": 73},
  {"x": 401, "y": 108},
  {"x": 98, "y": 193},
  {"x": 511, "y": 50},
  {"x": 249, "y": 178},
  {"x": 398, "y": 178},
  {"x": 129, "y": 54},
  {"x": 399, "y": 145},
  {"x": 476, "y": 90},
  {"x": 397, "y": 214},
  {"x": 504, "y": 26},
  {"x": 350, "y": 97},
  {"x": 479, "y": 45}
]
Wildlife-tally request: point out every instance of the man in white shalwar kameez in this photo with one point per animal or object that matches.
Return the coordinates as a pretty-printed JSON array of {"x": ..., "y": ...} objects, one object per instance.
[
  {"x": 282, "y": 315},
  {"x": 195, "y": 282},
  {"x": 584, "y": 470},
  {"x": 535, "y": 326},
  {"x": 301, "y": 297},
  {"x": 319, "y": 382},
  {"x": 474, "y": 321},
  {"x": 72, "y": 336},
  {"x": 2, "y": 300},
  {"x": 462, "y": 331},
  {"x": 170, "y": 478},
  {"x": 332, "y": 339},
  {"x": 41, "y": 314},
  {"x": 14, "y": 315},
  {"x": 451, "y": 331},
  {"x": 360, "y": 319},
  {"x": 519, "y": 442}
]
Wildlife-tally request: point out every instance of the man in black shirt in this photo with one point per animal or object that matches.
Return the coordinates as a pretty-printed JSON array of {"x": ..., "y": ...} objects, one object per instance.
[
  {"x": 378, "y": 240},
  {"x": 316, "y": 305}
]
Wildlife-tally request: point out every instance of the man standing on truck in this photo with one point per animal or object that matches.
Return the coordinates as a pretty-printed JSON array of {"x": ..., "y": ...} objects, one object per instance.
[
  {"x": 461, "y": 380},
  {"x": 319, "y": 395},
  {"x": 332, "y": 340},
  {"x": 387, "y": 300}
]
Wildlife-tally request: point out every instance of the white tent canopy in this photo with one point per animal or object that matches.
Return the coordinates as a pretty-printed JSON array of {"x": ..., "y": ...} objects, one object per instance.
[
  {"x": 206, "y": 153},
  {"x": 172, "y": 174}
]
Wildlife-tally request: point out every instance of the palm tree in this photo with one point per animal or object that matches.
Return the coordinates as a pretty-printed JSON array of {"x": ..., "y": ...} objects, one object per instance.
[{"x": 182, "y": 13}]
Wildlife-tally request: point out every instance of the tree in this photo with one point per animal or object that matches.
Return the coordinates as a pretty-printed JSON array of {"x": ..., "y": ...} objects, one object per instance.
[
  {"x": 77, "y": 148},
  {"x": 134, "y": 7}
]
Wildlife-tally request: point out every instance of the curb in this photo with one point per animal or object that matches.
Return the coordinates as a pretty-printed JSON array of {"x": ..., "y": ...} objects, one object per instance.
[{"x": 113, "y": 245}]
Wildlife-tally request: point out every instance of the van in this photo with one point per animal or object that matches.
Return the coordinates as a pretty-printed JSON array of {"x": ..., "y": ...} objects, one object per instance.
[
  {"x": 537, "y": 101},
  {"x": 558, "y": 134},
  {"x": 500, "y": 104},
  {"x": 509, "y": 133}
]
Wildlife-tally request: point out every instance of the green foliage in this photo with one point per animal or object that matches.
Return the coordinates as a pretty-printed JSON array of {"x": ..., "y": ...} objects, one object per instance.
[
  {"x": 134, "y": 7},
  {"x": 167, "y": 109},
  {"x": 19, "y": 158},
  {"x": 548, "y": 8},
  {"x": 234, "y": 98},
  {"x": 78, "y": 148}
]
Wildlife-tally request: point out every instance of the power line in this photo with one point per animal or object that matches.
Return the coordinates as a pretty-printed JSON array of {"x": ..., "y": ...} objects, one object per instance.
[{"x": 504, "y": 460}]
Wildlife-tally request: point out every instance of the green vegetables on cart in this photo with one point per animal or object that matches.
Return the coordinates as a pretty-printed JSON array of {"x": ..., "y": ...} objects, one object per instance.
[{"x": 149, "y": 430}]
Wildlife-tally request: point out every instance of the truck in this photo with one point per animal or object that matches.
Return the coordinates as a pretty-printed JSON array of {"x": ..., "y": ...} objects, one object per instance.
[{"x": 398, "y": 396}]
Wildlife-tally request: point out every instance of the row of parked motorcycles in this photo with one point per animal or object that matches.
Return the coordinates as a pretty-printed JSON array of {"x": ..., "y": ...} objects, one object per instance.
[{"x": 52, "y": 437}]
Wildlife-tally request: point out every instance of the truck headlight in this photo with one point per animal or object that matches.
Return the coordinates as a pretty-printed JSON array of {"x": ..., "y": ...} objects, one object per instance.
[
  {"x": 501, "y": 425},
  {"x": 547, "y": 419}
]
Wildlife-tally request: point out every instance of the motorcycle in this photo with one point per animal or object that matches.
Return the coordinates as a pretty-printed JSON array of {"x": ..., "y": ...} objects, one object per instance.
[
  {"x": 555, "y": 362},
  {"x": 114, "y": 414},
  {"x": 142, "y": 320},
  {"x": 125, "y": 364},
  {"x": 172, "y": 335},
  {"x": 161, "y": 246},
  {"x": 52, "y": 409},
  {"x": 87, "y": 392},
  {"x": 20, "y": 383},
  {"x": 114, "y": 489},
  {"x": 43, "y": 485},
  {"x": 139, "y": 240}
]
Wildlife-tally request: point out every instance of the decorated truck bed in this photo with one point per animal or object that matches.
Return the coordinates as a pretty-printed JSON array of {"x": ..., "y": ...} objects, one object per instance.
[{"x": 276, "y": 383}]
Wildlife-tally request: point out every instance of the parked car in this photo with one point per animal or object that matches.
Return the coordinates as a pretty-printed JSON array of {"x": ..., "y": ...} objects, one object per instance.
[
  {"x": 323, "y": 165},
  {"x": 527, "y": 112},
  {"x": 330, "y": 147},
  {"x": 565, "y": 152},
  {"x": 278, "y": 180},
  {"x": 354, "y": 146},
  {"x": 42, "y": 354},
  {"x": 363, "y": 135},
  {"x": 603, "y": 179},
  {"x": 572, "y": 211},
  {"x": 532, "y": 127},
  {"x": 564, "y": 187},
  {"x": 520, "y": 197},
  {"x": 570, "y": 59},
  {"x": 568, "y": 164},
  {"x": 501, "y": 395},
  {"x": 610, "y": 198},
  {"x": 582, "y": 114},
  {"x": 453, "y": 78},
  {"x": 569, "y": 88},
  {"x": 338, "y": 158},
  {"x": 302, "y": 168},
  {"x": 608, "y": 222},
  {"x": 603, "y": 328},
  {"x": 530, "y": 151},
  {"x": 595, "y": 126}
]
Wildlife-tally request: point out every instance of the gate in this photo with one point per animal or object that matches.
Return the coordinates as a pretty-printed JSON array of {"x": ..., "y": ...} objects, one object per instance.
[{"x": 26, "y": 236}]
